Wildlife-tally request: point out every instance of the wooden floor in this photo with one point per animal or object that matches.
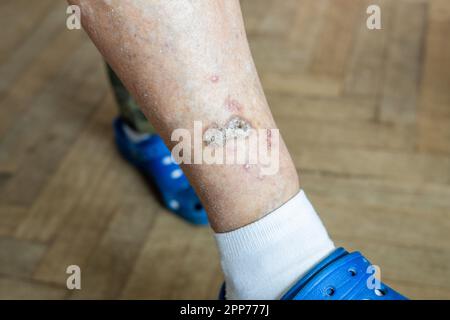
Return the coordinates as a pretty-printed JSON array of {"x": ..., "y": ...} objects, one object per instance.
[{"x": 366, "y": 115}]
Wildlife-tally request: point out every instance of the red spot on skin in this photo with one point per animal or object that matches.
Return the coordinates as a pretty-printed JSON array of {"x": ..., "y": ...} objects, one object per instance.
[
  {"x": 269, "y": 138},
  {"x": 232, "y": 105},
  {"x": 214, "y": 79}
]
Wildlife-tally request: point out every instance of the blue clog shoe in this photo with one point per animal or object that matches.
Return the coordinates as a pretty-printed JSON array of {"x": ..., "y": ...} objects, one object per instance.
[{"x": 154, "y": 160}]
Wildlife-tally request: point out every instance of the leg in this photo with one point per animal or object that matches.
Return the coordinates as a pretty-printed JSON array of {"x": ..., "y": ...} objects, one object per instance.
[
  {"x": 128, "y": 108},
  {"x": 185, "y": 61},
  {"x": 137, "y": 142}
]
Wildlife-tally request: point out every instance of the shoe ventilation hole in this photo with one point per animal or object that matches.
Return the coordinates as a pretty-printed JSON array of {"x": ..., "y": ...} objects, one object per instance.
[
  {"x": 380, "y": 292},
  {"x": 352, "y": 272},
  {"x": 175, "y": 174},
  {"x": 167, "y": 160},
  {"x": 174, "y": 204}
]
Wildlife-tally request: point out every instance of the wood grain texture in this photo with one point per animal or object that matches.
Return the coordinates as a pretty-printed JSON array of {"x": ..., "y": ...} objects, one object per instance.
[{"x": 365, "y": 114}]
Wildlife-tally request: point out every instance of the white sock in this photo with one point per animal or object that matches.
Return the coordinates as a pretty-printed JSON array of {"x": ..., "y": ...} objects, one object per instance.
[
  {"x": 133, "y": 135},
  {"x": 266, "y": 258}
]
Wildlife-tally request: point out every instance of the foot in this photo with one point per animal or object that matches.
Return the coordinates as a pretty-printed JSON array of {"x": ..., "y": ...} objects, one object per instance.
[
  {"x": 153, "y": 159},
  {"x": 340, "y": 276}
]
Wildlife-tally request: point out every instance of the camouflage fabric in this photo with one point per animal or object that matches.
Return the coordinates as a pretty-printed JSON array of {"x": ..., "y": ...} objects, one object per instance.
[{"x": 129, "y": 109}]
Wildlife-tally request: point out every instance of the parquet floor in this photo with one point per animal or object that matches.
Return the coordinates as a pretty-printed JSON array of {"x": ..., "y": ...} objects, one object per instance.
[{"x": 365, "y": 113}]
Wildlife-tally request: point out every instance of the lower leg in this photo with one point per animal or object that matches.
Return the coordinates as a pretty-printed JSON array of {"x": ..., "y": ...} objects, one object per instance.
[
  {"x": 138, "y": 143},
  {"x": 128, "y": 108}
]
